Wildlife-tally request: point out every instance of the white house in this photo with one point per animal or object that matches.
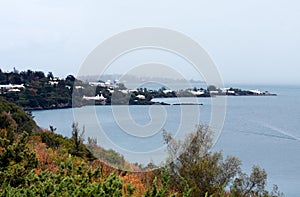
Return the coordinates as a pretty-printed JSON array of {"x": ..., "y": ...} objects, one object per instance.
[
  {"x": 108, "y": 83},
  {"x": 53, "y": 82},
  {"x": 255, "y": 91},
  {"x": 167, "y": 91},
  {"x": 79, "y": 87},
  {"x": 224, "y": 90},
  {"x": 6, "y": 87},
  {"x": 95, "y": 98},
  {"x": 100, "y": 83},
  {"x": 197, "y": 93},
  {"x": 14, "y": 90},
  {"x": 214, "y": 92},
  {"x": 140, "y": 96},
  {"x": 12, "y": 87},
  {"x": 124, "y": 91}
]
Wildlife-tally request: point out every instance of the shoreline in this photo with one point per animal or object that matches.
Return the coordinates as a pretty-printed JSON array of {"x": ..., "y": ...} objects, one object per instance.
[{"x": 148, "y": 103}]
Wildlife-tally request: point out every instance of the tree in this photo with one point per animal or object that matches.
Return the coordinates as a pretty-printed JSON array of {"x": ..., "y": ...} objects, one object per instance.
[
  {"x": 15, "y": 78},
  {"x": 15, "y": 71},
  {"x": 16, "y": 161},
  {"x": 3, "y": 78},
  {"x": 70, "y": 78},
  {"x": 211, "y": 88},
  {"x": 23, "y": 121},
  {"x": 50, "y": 76},
  {"x": 52, "y": 128},
  {"x": 77, "y": 139},
  {"x": 191, "y": 160},
  {"x": 39, "y": 75},
  {"x": 8, "y": 128},
  {"x": 122, "y": 86},
  {"x": 253, "y": 185},
  {"x": 92, "y": 141},
  {"x": 119, "y": 98}
]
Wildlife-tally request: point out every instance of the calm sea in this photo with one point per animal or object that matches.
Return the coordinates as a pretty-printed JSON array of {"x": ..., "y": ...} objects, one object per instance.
[{"x": 262, "y": 131}]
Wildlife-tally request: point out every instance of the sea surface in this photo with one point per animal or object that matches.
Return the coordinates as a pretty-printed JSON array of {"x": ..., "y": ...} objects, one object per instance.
[{"x": 260, "y": 130}]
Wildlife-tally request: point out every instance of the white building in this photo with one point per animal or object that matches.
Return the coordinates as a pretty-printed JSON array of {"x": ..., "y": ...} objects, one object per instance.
[
  {"x": 124, "y": 91},
  {"x": 54, "y": 82},
  {"x": 95, "y": 98},
  {"x": 197, "y": 93},
  {"x": 140, "y": 96},
  {"x": 101, "y": 84},
  {"x": 108, "y": 83},
  {"x": 214, "y": 92},
  {"x": 255, "y": 91},
  {"x": 224, "y": 90},
  {"x": 167, "y": 91},
  {"x": 79, "y": 87},
  {"x": 14, "y": 90},
  {"x": 12, "y": 87}
]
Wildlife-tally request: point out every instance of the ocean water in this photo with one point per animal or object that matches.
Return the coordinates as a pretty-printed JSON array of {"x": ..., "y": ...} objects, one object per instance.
[{"x": 262, "y": 131}]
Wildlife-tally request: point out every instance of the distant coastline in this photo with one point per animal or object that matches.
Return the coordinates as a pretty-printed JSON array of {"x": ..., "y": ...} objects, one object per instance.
[{"x": 35, "y": 90}]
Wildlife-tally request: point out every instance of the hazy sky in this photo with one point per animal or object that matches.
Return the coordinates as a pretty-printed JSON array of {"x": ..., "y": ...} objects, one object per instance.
[{"x": 251, "y": 41}]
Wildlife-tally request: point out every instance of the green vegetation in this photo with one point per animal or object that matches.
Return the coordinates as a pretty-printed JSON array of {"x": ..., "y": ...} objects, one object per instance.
[
  {"x": 191, "y": 162},
  {"x": 33, "y": 90},
  {"x": 70, "y": 146},
  {"x": 40, "y": 92},
  {"x": 23, "y": 120},
  {"x": 109, "y": 156},
  {"x": 19, "y": 177},
  {"x": 67, "y": 181},
  {"x": 42, "y": 163}
]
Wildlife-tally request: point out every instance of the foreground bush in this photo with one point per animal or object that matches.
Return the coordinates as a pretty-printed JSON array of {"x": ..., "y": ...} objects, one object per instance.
[{"x": 208, "y": 173}]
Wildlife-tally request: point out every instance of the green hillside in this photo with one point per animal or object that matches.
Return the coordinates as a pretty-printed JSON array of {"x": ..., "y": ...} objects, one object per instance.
[{"x": 23, "y": 120}]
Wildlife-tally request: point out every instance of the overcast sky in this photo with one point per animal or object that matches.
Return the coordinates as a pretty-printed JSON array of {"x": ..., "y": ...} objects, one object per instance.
[{"x": 251, "y": 41}]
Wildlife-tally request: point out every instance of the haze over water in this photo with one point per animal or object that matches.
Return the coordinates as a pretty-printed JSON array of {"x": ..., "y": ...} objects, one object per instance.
[{"x": 262, "y": 131}]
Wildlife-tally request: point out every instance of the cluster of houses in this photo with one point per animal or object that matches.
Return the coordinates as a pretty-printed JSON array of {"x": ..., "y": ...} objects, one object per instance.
[
  {"x": 111, "y": 88},
  {"x": 54, "y": 81},
  {"x": 228, "y": 91},
  {"x": 196, "y": 92},
  {"x": 104, "y": 84}
]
